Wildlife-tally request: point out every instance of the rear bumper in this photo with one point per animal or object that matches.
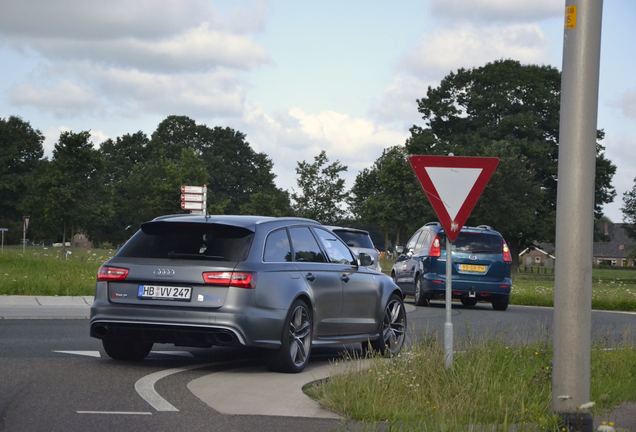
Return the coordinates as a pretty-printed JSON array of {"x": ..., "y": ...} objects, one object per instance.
[
  {"x": 188, "y": 327},
  {"x": 434, "y": 287}
]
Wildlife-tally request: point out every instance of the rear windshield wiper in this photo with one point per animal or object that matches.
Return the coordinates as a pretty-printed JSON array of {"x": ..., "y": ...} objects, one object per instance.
[{"x": 173, "y": 254}]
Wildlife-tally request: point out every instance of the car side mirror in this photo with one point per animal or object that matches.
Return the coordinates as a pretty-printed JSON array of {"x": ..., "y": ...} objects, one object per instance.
[
  {"x": 365, "y": 260},
  {"x": 399, "y": 250}
]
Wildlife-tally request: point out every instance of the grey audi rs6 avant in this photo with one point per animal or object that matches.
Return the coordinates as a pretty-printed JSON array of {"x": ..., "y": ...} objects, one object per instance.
[{"x": 284, "y": 284}]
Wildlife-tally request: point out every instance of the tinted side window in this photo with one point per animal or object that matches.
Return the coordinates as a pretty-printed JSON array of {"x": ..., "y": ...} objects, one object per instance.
[
  {"x": 421, "y": 241},
  {"x": 277, "y": 247},
  {"x": 306, "y": 248},
  {"x": 355, "y": 238},
  {"x": 336, "y": 250},
  {"x": 413, "y": 240}
]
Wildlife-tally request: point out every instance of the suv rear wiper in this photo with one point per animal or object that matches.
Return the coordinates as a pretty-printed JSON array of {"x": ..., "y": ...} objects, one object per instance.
[{"x": 173, "y": 254}]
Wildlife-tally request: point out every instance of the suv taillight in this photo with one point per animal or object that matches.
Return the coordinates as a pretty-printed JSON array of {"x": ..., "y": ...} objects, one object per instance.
[
  {"x": 507, "y": 257},
  {"x": 233, "y": 279},
  {"x": 436, "y": 249},
  {"x": 111, "y": 274}
]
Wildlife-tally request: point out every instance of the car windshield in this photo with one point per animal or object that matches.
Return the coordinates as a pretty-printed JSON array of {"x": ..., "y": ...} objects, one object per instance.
[
  {"x": 470, "y": 242},
  {"x": 355, "y": 238},
  {"x": 174, "y": 240}
]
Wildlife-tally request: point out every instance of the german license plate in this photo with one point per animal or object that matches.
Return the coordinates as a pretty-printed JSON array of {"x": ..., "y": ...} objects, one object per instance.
[
  {"x": 472, "y": 268},
  {"x": 164, "y": 292}
]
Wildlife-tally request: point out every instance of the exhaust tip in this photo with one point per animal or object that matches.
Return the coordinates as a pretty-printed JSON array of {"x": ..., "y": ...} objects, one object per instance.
[{"x": 101, "y": 330}]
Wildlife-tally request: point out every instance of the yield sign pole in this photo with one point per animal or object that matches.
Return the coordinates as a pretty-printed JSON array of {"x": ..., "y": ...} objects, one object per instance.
[{"x": 452, "y": 184}]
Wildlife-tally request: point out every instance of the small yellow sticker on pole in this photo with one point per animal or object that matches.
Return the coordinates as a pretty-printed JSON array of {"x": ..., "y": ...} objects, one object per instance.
[{"x": 570, "y": 17}]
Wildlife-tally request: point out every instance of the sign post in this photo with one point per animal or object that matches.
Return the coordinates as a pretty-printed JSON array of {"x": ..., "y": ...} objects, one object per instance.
[
  {"x": 2, "y": 230},
  {"x": 194, "y": 199},
  {"x": 452, "y": 184},
  {"x": 25, "y": 227}
]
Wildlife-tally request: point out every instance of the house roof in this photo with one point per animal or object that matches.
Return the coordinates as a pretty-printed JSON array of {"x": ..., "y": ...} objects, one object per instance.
[{"x": 621, "y": 245}]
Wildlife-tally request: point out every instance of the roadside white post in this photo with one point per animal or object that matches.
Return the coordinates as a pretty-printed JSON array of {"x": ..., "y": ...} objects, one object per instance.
[{"x": 448, "y": 325}]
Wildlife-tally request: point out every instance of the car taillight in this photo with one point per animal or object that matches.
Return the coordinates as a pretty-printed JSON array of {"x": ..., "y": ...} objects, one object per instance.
[
  {"x": 436, "y": 249},
  {"x": 111, "y": 274},
  {"x": 233, "y": 279},
  {"x": 507, "y": 257}
]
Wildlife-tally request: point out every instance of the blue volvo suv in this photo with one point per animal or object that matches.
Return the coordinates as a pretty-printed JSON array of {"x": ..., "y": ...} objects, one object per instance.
[{"x": 481, "y": 266}]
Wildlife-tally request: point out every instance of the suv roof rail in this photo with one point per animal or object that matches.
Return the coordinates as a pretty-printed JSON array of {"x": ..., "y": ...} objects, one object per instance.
[
  {"x": 486, "y": 227},
  {"x": 432, "y": 224}
]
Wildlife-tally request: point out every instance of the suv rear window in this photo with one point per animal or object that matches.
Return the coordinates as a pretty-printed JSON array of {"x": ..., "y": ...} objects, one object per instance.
[
  {"x": 185, "y": 240},
  {"x": 355, "y": 239},
  {"x": 475, "y": 242}
]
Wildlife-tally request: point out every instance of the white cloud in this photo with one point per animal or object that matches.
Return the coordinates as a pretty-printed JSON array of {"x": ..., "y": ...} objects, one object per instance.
[
  {"x": 97, "y": 19},
  {"x": 63, "y": 98},
  {"x": 497, "y": 10},
  {"x": 450, "y": 48},
  {"x": 51, "y": 137},
  {"x": 298, "y": 135},
  {"x": 197, "y": 49},
  {"x": 89, "y": 89}
]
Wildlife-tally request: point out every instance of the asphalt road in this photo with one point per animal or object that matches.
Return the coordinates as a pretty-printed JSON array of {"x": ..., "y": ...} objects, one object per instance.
[{"x": 52, "y": 377}]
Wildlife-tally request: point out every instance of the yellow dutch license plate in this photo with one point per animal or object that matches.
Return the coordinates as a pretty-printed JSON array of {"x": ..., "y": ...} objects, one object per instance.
[{"x": 472, "y": 268}]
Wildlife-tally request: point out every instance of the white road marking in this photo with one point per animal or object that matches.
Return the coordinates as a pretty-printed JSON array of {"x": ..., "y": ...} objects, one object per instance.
[
  {"x": 115, "y": 412},
  {"x": 97, "y": 354},
  {"x": 81, "y": 353},
  {"x": 145, "y": 387}
]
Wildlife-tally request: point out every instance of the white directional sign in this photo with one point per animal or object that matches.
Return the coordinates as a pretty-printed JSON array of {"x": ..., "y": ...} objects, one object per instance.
[
  {"x": 194, "y": 198},
  {"x": 193, "y": 189},
  {"x": 190, "y": 205}
]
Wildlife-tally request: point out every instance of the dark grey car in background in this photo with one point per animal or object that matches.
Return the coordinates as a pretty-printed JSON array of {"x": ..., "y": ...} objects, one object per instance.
[
  {"x": 285, "y": 284},
  {"x": 359, "y": 241}
]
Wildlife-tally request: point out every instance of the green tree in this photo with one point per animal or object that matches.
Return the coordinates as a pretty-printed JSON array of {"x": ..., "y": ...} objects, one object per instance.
[
  {"x": 511, "y": 111},
  {"x": 322, "y": 191},
  {"x": 629, "y": 210},
  {"x": 69, "y": 195},
  {"x": 20, "y": 158},
  {"x": 389, "y": 196},
  {"x": 234, "y": 170},
  {"x": 153, "y": 188}
]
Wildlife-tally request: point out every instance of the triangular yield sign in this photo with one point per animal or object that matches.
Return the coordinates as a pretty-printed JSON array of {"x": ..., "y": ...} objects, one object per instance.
[{"x": 453, "y": 184}]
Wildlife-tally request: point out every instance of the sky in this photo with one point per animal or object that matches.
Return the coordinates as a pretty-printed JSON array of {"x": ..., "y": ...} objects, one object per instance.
[{"x": 295, "y": 77}]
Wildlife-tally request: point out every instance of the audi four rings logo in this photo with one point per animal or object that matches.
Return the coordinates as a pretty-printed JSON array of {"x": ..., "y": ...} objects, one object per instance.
[{"x": 163, "y": 272}]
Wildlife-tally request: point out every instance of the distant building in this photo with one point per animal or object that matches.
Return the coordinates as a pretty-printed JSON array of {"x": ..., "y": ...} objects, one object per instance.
[
  {"x": 618, "y": 251},
  {"x": 535, "y": 256}
]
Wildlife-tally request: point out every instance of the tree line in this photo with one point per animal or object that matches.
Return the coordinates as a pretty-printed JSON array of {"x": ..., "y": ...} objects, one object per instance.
[{"x": 503, "y": 109}]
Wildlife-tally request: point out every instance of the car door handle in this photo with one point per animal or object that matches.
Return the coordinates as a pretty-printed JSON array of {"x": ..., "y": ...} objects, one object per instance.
[
  {"x": 310, "y": 277},
  {"x": 345, "y": 277}
]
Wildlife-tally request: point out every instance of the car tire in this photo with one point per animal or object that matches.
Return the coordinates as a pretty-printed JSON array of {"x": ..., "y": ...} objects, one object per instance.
[
  {"x": 420, "y": 298},
  {"x": 500, "y": 304},
  {"x": 392, "y": 329},
  {"x": 126, "y": 349},
  {"x": 293, "y": 355},
  {"x": 468, "y": 301}
]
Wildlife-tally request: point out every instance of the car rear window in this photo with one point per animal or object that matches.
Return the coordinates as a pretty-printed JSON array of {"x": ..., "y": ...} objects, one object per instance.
[
  {"x": 475, "y": 242},
  {"x": 355, "y": 239},
  {"x": 183, "y": 240}
]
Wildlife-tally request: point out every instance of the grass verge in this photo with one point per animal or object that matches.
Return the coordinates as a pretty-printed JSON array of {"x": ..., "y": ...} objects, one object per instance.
[
  {"x": 491, "y": 385},
  {"x": 48, "y": 271}
]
